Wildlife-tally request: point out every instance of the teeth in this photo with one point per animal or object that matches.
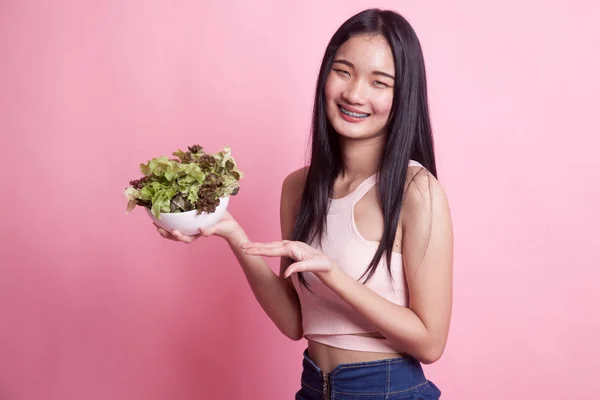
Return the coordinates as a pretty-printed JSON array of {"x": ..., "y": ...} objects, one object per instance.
[{"x": 352, "y": 114}]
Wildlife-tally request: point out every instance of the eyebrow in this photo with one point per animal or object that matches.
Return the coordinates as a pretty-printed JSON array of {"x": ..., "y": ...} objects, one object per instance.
[{"x": 348, "y": 63}]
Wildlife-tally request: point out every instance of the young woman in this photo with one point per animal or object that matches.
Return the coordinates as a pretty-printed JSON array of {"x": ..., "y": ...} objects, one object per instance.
[{"x": 367, "y": 249}]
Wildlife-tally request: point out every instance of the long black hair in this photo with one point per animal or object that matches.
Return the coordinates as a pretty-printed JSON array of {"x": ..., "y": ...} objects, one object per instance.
[{"x": 408, "y": 135}]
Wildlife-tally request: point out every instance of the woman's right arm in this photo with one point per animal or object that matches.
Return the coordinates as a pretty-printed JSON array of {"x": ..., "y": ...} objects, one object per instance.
[{"x": 276, "y": 295}]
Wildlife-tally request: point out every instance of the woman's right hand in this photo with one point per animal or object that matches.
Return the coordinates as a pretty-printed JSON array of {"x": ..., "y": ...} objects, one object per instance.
[{"x": 225, "y": 228}]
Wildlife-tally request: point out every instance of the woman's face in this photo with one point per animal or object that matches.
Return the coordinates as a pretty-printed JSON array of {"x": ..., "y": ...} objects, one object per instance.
[{"x": 359, "y": 88}]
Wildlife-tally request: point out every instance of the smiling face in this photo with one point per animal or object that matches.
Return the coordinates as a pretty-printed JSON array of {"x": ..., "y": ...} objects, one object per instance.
[{"x": 359, "y": 88}]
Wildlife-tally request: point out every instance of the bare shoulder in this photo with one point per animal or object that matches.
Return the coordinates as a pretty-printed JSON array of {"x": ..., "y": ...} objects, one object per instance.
[
  {"x": 422, "y": 192},
  {"x": 425, "y": 212},
  {"x": 297, "y": 177},
  {"x": 292, "y": 188}
]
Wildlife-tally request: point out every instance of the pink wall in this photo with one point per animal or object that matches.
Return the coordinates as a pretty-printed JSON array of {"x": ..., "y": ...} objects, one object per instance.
[{"x": 96, "y": 305}]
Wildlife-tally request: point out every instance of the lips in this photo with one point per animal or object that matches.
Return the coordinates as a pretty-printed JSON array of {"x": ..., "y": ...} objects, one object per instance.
[
  {"x": 352, "y": 116},
  {"x": 354, "y": 110}
]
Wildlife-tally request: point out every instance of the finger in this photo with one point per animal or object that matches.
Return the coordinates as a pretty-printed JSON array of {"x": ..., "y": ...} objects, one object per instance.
[
  {"x": 249, "y": 245},
  {"x": 305, "y": 266},
  {"x": 261, "y": 244},
  {"x": 183, "y": 238},
  {"x": 206, "y": 232},
  {"x": 165, "y": 234},
  {"x": 283, "y": 250},
  {"x": 279, "y": 251}
]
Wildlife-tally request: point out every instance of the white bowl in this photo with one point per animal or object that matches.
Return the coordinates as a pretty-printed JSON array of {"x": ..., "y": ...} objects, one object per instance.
[{"x": 189, "y": 222}]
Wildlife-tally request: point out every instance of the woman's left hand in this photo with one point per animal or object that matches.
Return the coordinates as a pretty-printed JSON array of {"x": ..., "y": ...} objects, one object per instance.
[{"x": 307, "y": 258}]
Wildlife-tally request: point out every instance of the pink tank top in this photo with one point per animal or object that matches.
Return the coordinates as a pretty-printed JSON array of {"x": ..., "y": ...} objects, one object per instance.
[{"x": 328, "y": 319}]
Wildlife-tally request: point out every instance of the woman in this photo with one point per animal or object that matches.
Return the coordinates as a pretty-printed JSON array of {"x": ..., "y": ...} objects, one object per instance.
[{"x": 366, "y": 255}]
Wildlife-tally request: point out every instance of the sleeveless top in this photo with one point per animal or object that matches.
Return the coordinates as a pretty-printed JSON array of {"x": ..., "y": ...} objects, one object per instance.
[{"x": 328, "y": 319}]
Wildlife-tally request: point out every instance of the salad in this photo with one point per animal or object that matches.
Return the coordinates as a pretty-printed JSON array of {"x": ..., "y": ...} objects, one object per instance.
[{"x": 195, "y": 180}]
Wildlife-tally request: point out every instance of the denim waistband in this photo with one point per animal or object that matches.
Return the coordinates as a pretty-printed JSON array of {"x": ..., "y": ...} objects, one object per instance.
[{"x": 388, "y": 376}]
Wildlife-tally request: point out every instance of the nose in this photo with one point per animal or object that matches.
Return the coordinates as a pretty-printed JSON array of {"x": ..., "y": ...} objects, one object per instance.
[{"x": 355, "y": 92}]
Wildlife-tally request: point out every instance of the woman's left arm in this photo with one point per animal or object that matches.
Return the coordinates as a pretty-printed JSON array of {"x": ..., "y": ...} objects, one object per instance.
[{"x": 421, "y": 329}]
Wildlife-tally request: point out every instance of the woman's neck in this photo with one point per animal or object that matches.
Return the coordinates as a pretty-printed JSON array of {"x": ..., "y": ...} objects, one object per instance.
[{"x": 360, "y": 158}]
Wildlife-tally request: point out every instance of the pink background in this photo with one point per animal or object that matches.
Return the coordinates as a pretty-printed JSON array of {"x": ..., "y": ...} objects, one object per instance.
[{"x": 94, "y": 304}]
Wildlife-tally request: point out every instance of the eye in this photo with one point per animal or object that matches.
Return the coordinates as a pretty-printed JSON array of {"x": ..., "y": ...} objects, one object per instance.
[
  {"x": 342, "y": 72},
  {"x": 380, "y": 84}
]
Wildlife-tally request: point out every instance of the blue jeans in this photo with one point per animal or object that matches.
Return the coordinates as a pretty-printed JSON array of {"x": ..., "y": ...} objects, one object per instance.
[{"x": 392, "y": 379}]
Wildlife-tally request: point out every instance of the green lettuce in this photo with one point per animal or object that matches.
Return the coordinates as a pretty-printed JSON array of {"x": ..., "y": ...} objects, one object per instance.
[{"x": 195, "y": 180}]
